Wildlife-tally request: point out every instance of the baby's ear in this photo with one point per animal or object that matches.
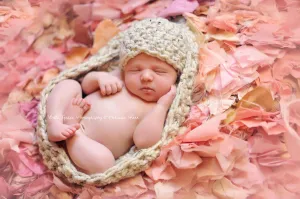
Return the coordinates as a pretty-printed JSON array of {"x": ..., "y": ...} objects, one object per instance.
[
  {"x": 122, "y": 73},
  {"x": 178, "y": 79}
]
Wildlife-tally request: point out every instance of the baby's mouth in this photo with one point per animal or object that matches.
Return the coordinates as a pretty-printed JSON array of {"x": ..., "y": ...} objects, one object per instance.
[{"x": 147, "y": 89}]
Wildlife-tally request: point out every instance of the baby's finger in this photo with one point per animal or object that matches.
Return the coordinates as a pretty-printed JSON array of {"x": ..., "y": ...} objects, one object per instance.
[
  {"x": 102, "y": 90},
  {"x": 119, "y": 86},
  {"x": 114, "y": 88},
  {"x": 108, "y": 89}
]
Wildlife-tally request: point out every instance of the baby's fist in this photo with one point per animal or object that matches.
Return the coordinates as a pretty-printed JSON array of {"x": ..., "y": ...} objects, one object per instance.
[
  {"x": 167, "y": 99},
  {"x": 110, "y": 85}
]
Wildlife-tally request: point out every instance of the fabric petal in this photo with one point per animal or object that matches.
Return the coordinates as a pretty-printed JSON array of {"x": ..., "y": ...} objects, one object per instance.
[
  {"x": 208, "y": 130},
  {"x": 178, "y": 7}
]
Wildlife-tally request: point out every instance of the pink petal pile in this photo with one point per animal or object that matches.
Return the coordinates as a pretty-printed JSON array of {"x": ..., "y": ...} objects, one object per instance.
[{"x": 242, "y": 136}]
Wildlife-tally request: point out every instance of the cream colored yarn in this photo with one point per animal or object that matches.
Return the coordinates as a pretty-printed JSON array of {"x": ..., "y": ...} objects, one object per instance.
[
  {"x": 171, "y": 42},
  {"x": 157, "y": 37}
]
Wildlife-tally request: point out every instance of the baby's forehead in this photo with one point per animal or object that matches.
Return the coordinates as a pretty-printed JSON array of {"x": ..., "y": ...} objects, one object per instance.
[
  {"x": 148, "y": 60},
  {"x": 148, "y": 65}
]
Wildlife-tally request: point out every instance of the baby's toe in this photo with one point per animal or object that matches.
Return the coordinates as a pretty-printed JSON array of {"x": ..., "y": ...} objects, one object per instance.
[
  {"x": 77, "y": 101},
  {"x": 77, "y": 126},
  {"x": 86, "y": 107},
  {"x": 74, "y": 101},
  {"x": 65, "y": 133},
  {"x": 73, "y": 129},
  {"x": 81, "y": 103},
  {"x": 69, "y": 130}
]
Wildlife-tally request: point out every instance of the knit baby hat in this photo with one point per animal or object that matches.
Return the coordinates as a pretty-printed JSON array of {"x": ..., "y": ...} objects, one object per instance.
[
  {"x": 160, "y": 38},
  {"x": 171, "y": 42}
]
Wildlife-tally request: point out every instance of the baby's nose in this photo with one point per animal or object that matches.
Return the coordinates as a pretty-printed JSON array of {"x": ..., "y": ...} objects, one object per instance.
[{"x": 146, "y": 75}]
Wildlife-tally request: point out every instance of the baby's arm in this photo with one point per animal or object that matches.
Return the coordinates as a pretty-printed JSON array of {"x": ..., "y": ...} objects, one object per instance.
[
  {"x": 91, "y": 81},
  {"x": 148, "y": 131}
]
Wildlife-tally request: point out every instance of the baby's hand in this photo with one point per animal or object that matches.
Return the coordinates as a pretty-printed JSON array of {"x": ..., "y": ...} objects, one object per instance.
[
  {"x": 167, "y": 99},
  {"x": 109, "y": 84}
]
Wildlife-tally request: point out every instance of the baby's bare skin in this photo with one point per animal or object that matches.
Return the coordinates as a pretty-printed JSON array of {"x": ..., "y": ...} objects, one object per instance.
[
  {"x": 120, "y": 110},
  {"x": 118, "y": 115}
]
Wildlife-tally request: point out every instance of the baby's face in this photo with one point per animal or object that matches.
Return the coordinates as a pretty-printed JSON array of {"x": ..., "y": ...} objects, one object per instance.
[{"x": 148, "y": 77}]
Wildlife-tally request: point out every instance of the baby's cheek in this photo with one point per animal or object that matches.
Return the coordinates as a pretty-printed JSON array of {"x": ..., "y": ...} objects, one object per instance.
[
  {"x": 164, "y": 88},
  {"x": 129, "y": 80},
  {"x": 168, "y": 81}
]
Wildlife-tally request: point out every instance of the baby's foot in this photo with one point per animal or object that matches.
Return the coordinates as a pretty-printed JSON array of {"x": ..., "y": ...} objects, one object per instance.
[
  {"x": 58, "y": 131},
  {"x": 76, "y": 110}
]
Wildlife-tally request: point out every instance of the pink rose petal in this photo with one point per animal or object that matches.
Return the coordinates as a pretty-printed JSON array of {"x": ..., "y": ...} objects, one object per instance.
[
  {"x": 102, "y": 11},
  {"x": 206, "y": 131},
  {"x": 178, "y": 7}
]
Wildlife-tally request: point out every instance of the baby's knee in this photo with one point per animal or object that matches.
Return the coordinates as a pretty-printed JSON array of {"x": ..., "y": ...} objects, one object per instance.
[
  {"x": 69, "y": 83},
  {"x": 102, "y": 164},
  {"x": 68, "y": 88}
]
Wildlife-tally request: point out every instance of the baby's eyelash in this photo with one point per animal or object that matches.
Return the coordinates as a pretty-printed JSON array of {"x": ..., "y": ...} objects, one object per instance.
[{"x": 159, "y": 71}]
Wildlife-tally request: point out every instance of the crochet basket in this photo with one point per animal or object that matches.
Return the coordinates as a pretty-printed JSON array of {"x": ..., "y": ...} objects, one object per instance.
[{"x": 135, "y": 161}]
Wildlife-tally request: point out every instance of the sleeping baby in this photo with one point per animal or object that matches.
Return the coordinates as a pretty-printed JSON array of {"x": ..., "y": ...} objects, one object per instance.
[{"x": 122, "y": 108}]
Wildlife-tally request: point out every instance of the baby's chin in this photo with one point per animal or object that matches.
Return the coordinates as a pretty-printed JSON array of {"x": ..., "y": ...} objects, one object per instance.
[{"x": 148, "y": 98}]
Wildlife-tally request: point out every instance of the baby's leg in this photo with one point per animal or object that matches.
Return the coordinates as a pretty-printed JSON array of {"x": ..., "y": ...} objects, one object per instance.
[
  {"x": 58, "y": 101},
  {"x": 88, "y": 154}
]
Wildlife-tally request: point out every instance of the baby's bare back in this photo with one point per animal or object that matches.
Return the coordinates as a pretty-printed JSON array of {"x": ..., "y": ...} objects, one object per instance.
[{"x": 112, "y": 120}]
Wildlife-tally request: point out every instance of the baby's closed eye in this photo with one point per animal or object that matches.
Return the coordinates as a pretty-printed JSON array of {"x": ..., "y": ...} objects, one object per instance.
[
  {"x": 135, "y": 69},
  {"x": 160, "y": 71}
]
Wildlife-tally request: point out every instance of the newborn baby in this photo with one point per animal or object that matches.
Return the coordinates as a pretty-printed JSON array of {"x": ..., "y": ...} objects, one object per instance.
[
  {"x": 124, "y": 107},
  {"x": 121, "y": 108}
]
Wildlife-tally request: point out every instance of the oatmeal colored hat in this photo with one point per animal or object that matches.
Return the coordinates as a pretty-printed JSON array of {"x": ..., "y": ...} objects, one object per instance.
[
  {"x": 160, "y": 38},
  {"x": 169, "y": 41}
]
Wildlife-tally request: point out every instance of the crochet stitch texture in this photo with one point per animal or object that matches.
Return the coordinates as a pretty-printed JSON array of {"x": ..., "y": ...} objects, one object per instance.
[{"x": 171, "y": 42}]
